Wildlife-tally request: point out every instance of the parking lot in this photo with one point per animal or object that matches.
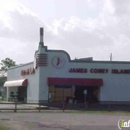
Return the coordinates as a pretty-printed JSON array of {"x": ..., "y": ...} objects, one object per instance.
[{"x": 61, "y": 121}]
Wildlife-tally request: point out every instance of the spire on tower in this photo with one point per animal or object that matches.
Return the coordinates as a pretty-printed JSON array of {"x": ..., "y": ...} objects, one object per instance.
[{"x": 41, "y": 43}]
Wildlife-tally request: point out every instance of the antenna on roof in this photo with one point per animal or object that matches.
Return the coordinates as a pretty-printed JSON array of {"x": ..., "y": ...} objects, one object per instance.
[{"x": 111, "y": 57}]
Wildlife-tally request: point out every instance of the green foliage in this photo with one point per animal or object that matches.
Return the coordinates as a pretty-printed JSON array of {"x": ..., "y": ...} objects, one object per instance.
[
  {"x": 3, "y": 127},
  {"x": 12, "y": 94},
  {"x": 7, "y": 63},
  {"x": 2, "y": 80},
  {"x": 3, "y": 100}
]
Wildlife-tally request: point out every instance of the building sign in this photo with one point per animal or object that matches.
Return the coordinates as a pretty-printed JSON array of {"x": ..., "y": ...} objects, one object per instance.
[
  {"x": 28, "y": 71},
  {"x": 101, "y": 71},
  {"x": 121, "y": 71},
  {"x": 98, "y": 70},
  {"x": 78, "y": 70}
]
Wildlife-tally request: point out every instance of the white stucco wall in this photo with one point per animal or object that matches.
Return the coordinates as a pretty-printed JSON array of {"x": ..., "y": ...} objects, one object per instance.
[
  {"x": 116, "y": 87},
  {"x": 33, "y": 86}
]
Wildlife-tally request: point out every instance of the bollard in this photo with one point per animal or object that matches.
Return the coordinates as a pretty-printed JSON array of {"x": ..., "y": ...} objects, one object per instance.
[
  {"x": 15, "y": 110},
  {"x": 39, "y": 107},
  {"x": 85, "y": 102},
  {"x": 109, "y": 107},
  {"x": 86, "y": 105},
  {"x": 63, "y": 106}
]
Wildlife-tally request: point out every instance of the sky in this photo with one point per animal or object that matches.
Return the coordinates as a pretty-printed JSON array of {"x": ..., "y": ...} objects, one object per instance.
[{"x": 83, "y": 28}]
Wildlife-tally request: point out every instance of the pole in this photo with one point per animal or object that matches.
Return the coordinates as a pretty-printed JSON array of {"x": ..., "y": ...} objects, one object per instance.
[
  {"x": 63, "y": 101},
  {"x": 85, "y": 100},
  {"x": 109, "y": 107},
  {"x": 39, "y": 107},
  {"x": 15, "y": 110},
  {"x": 111, "y": 57},
  {"x": 85, "y": 95},
  {"x": 54, "y": 94}
]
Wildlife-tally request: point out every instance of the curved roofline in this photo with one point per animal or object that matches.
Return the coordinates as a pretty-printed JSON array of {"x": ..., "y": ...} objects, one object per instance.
[
  {"x": 73, "y": 61},
  {"x": 20, "y": 65},
  {"x": 49, "y": 50},
  {"x": 79, "y": 61}
]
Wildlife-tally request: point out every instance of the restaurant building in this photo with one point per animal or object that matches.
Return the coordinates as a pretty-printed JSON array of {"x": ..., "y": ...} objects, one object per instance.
[{"x": 54, "y": 77}]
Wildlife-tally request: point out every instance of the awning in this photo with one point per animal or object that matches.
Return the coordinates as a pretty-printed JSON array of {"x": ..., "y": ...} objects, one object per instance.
[
  {"x": 75, "y": 81},
  {"x": 14, "y": 83}
]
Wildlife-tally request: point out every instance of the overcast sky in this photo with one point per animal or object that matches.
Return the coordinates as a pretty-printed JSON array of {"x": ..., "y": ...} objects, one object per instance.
[{"x": 84, "y": 28}]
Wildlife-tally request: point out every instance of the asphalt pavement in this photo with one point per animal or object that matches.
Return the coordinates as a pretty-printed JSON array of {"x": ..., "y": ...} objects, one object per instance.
[{"x": 64, "y": 121}]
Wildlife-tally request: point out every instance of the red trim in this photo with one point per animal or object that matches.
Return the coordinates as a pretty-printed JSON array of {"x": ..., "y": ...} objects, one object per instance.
[
  {"x": 41, "y": 60},
  {"x": 25, "y": 82},
  {"x": 75, "y": 81}
]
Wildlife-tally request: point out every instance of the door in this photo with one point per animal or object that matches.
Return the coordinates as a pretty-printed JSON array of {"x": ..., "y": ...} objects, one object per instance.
[{"x": 22, "y": 93}]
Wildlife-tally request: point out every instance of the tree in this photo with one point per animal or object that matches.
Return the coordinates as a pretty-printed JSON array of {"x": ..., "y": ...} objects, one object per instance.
[{"x": 6, "y": 64}]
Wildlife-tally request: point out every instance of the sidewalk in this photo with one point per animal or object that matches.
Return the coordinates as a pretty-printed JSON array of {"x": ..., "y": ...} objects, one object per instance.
[
  {"x": 35, "y": 106},
  {"x": 7, "y": 104}
]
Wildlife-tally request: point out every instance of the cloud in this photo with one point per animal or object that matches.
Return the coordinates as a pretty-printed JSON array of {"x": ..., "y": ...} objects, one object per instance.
[
  {"x": 122, "y": 7},
  {"x": 25, "y": 26},
  {"x": 95, "y": 36},
  {"x": 99, "y": 36},
  {"x": 20, "y": 23},
  {"x": 76, "y": 32},
  {"x": 19, "y": 31}
]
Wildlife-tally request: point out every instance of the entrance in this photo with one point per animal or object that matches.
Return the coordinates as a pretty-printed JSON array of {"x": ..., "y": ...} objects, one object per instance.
[
  {"x": 22, "y": 93},
  {"x": 92, "y": 94},
  {"x": 75, "y": 93},
  {"x": 60, "y": 94},
  {"x": 92, "y": 87}
]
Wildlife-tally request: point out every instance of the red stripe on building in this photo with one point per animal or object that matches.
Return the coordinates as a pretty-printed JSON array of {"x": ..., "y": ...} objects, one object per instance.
[{"x": 75, "y": 81}]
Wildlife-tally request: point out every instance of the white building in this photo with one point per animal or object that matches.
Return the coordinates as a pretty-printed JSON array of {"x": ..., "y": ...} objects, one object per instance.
[{"x": 111, "y": 79}]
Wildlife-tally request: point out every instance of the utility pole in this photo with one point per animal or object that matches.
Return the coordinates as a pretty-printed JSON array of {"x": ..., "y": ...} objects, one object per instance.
[{"x": 111, "y": 57}]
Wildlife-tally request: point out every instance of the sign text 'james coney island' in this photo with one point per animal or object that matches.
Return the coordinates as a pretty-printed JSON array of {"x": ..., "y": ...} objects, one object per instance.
[
  {"x": 27, "y": 71},
  {"x": 96, "y": 70}
]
